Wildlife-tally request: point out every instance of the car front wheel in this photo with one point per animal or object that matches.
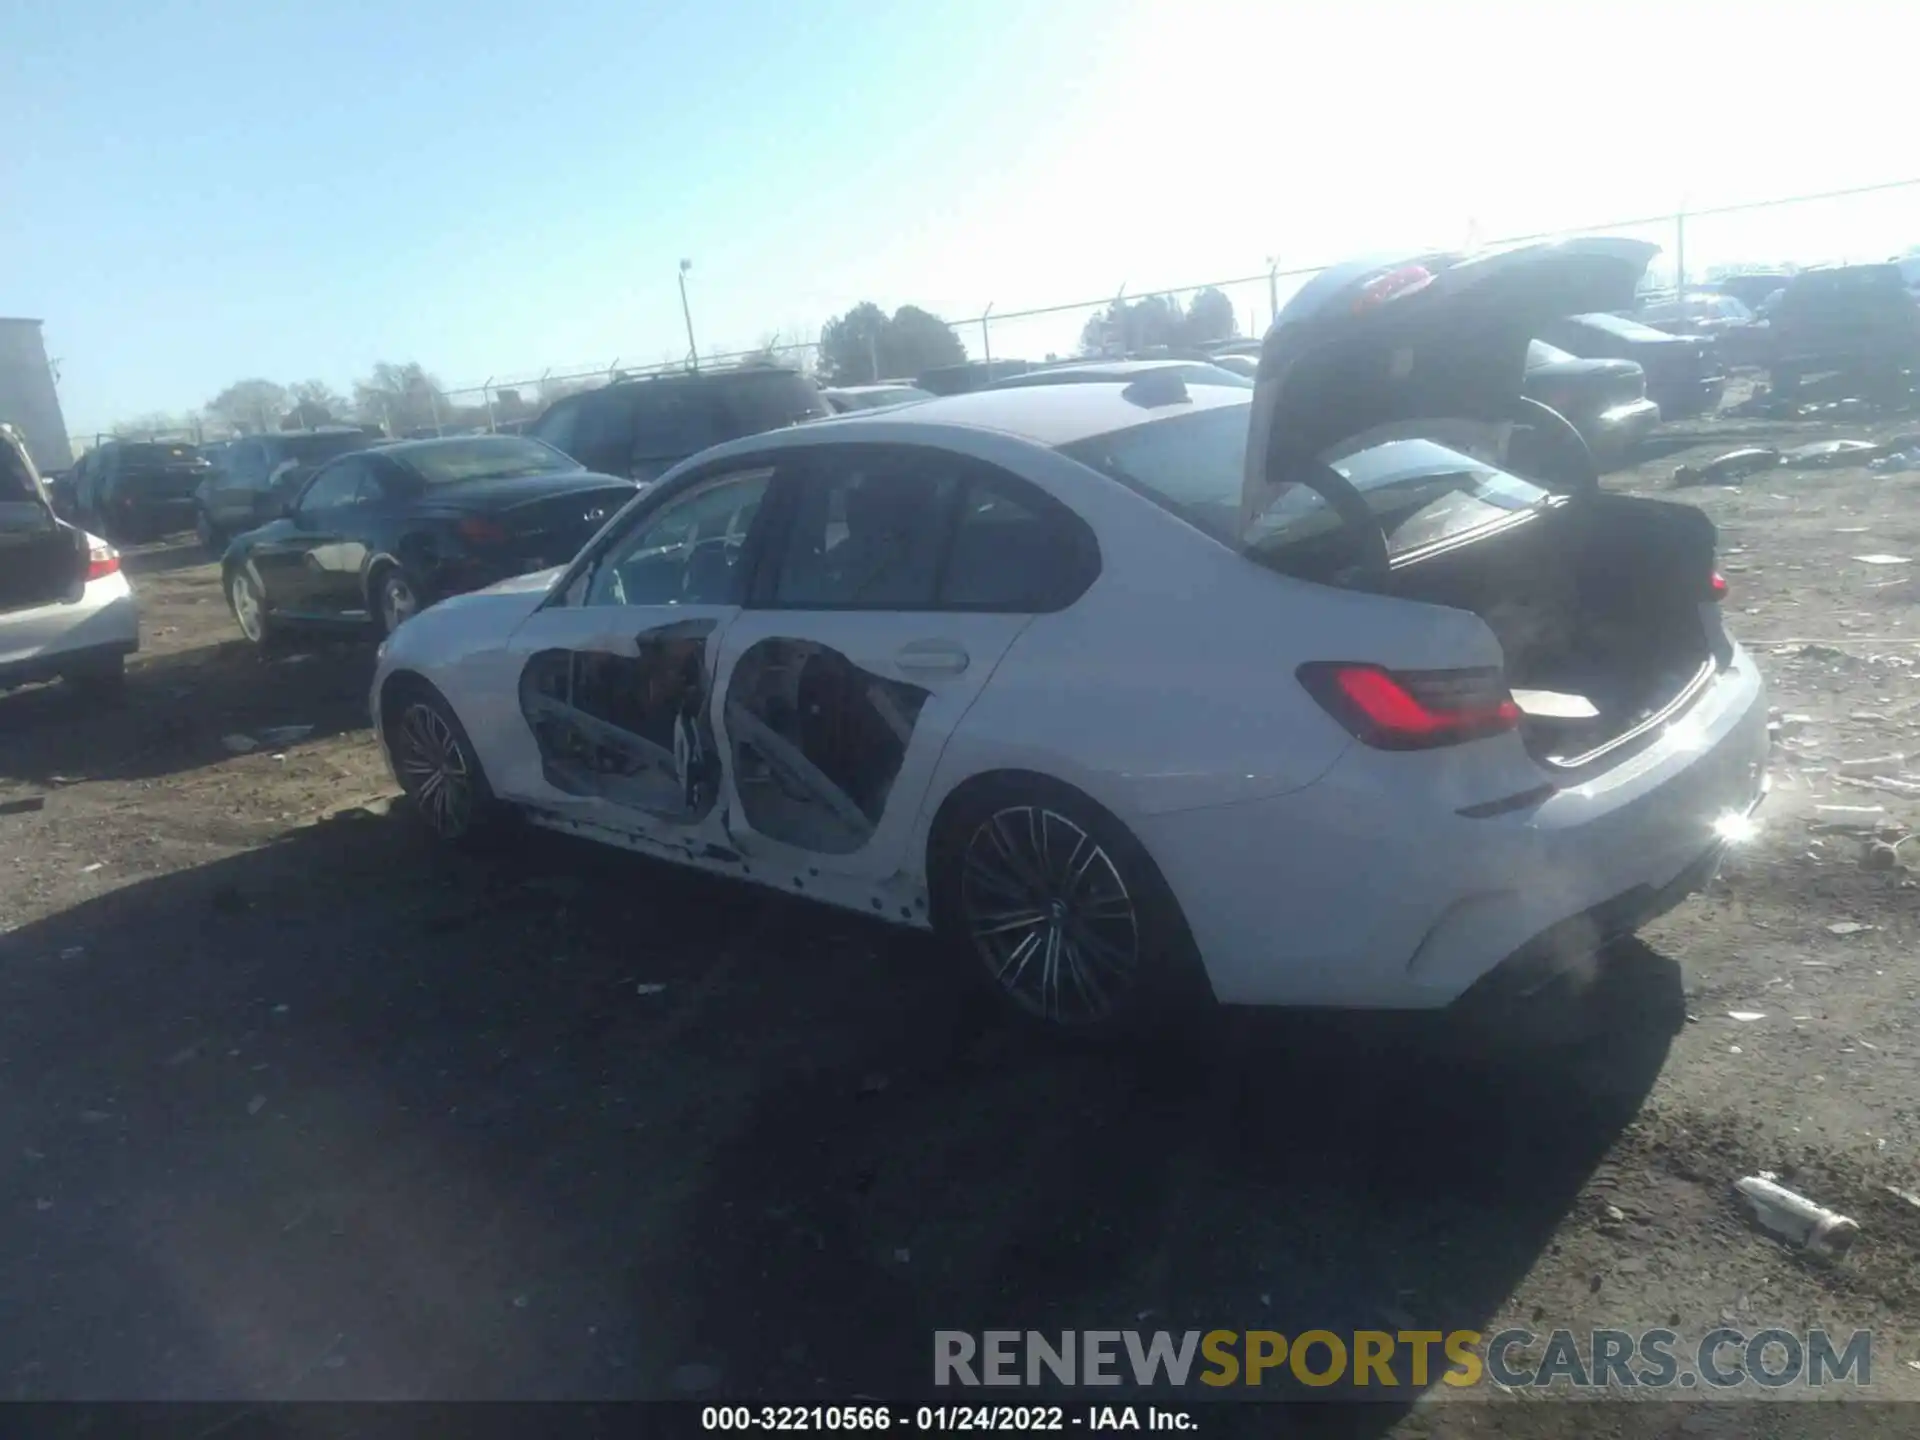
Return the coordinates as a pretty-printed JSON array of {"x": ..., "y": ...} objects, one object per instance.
[{"x": 1061, "y": 910}]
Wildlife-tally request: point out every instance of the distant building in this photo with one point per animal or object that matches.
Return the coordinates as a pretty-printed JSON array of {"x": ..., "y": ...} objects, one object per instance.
[{"x": 28, "y": 400}]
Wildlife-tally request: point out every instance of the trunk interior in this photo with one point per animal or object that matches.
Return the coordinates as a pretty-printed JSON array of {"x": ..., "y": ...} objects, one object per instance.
[
  {"x": 1597, "y": 604},
  {"x": 42, "y": 562}
]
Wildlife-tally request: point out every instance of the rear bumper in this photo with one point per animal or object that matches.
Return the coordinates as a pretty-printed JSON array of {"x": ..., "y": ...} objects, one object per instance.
[
  {"x": 53, "y": 640},
  {"x": 1366, "y": 890}
]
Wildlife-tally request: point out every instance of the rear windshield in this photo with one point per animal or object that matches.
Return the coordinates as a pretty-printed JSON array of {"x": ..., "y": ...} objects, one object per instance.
[
  {"x": 1540, "y": 353},
  {"x": 485, "y": 457},
  {"x": 1421, "y": 492},
  {"x": 312, "y": 449},
  {"x": 145, "y": 456}
]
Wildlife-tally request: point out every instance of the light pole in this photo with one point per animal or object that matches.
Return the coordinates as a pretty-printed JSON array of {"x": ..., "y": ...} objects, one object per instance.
[{"x": 693, "y": 351}]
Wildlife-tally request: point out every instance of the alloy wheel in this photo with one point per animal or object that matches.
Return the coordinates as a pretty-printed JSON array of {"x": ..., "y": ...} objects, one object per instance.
[
  {"x": 398, "y": 603},
  {"x": 1048, "y": 912},
  {"x": 435, "y": 769},
  {"x": 248, "y": 606}
]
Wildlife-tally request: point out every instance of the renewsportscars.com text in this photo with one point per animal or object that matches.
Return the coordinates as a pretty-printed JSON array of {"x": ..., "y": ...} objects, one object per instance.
[{"x": 1370, "y": 1360}]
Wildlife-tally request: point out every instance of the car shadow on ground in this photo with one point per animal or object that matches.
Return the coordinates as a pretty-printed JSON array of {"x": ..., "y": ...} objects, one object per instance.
[
  {"x": 178, "y": 708},
  {"x": 346, "y": 1116}
]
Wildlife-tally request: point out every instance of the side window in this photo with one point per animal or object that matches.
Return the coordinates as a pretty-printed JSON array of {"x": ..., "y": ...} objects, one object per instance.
[
  {"x": 867, "y": 530},
  {"x": 1016, "y": 550},
  {"x": 556, "y": 427},
  {"x": 334, "y": 487},
  {"x": 688, "y": 552}
]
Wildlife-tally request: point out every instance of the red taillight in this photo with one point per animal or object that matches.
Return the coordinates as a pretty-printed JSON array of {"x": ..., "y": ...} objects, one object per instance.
[
  {"x": 1412, "y": 710},
  {"x": 102, "y": 561},
  {"x": 1391, "y": 286},
  {"x": 1718, "y": 586},
  {"x": 476, "y": 530}
]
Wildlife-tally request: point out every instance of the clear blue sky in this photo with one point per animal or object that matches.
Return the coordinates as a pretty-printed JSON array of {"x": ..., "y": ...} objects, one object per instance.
[{"x": 202, "y": 192}]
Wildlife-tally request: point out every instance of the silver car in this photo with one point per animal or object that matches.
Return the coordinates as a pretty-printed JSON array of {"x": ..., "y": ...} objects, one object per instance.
[{"x": 66, "y": 609}]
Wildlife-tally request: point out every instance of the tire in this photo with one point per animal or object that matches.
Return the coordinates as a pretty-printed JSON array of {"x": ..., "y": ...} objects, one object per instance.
[
  {"x": 105, "y": 681},
  {"x": 248, "y": 603},
  {"x": 211, "y": 538},
  {"x": 438, "y": 768},
  {"x": 1113, "y": 949},
  {"x": 397, "y": 598}
]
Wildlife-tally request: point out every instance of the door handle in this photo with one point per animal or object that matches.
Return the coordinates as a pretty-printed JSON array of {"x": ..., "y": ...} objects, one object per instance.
[{"x": 933, "y": 657}]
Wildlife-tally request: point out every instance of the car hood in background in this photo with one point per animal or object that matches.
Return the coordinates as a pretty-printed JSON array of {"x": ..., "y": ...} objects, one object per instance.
[
  {"x": 1441, "y": 335},
  {"x": 538, "y": 583}
]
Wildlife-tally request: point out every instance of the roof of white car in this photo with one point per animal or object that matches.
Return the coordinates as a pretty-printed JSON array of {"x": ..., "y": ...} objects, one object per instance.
[{"x": 1051, "y": 415}]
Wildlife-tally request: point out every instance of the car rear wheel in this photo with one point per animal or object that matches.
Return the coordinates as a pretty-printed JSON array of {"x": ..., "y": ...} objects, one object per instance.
[
  {"x": 249, "y": 604},
  {"x": 211, "y": 540},
  {"x": 1061, "y": 910},
  {"x": 437, "y": 767}
]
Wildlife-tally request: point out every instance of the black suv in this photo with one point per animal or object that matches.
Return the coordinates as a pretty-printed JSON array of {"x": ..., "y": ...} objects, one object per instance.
[
  {"x": 1859, "y": 319},
  {"x": 642, "y": 428},
  {"x": 129, "y": 490},
  {"x": 257, "y": 475}
]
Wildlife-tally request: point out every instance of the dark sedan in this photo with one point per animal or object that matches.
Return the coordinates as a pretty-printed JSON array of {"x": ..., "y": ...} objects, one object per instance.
[
  {"x": 375, "y": 536},
  {"x": 1605, "y": 399},
  {"x": 1684, "y": 372}
]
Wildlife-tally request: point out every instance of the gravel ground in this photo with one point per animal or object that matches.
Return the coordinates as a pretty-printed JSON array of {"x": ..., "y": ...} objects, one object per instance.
[{"x": 299, "y": 1107}]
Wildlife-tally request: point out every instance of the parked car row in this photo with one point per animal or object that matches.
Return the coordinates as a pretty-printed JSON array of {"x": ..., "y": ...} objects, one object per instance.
[{"x": 1863, "y": 320}]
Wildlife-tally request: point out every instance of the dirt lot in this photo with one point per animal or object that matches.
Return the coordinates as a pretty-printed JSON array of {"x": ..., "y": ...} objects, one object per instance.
[{"x": 299, "y": 1107}]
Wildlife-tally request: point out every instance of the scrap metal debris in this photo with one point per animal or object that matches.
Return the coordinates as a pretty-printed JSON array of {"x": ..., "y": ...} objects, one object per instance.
[
  {"x": 1728, "y": 469},
  {"x": 23, "y": 807},
  {"x": 1829, "y": 454},
  {"x": 1795, "y": 1219}
]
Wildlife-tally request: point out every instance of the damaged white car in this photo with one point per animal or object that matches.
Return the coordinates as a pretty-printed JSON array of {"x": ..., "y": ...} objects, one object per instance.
[
  {"x": 1343, "y": 691},
  {"x": 66, "y": 609}
]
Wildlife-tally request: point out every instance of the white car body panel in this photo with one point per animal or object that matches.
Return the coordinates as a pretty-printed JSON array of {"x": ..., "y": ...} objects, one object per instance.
[
  {"x": 105, "y": 619},
  {"x": 1310, "y": 869}
]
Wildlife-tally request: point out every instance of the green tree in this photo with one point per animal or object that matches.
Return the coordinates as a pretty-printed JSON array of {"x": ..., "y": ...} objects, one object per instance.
[
  {"x": 249, "y": 406},
  {"x": 1158, "y": 321},
  {"x": 314, "y": 403},
  {"x": 1210, "y": 317},
  {"x": 158, "y": 423},
  {"x": 401, "y": 397},
  {"x": 866, "y": 345}
]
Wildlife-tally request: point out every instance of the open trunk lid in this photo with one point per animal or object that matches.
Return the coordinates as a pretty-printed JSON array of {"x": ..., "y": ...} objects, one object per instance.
[
  {"x": 1431, "y": 338},
  {"x": 1386, "y": 399},
  {"x": 42, "y": 561}
]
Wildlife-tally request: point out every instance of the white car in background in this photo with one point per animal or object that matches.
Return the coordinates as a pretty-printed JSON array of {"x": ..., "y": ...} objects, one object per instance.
[
  {"x": 1145, "y": 692},
  {"x": 66, "y": 609}
]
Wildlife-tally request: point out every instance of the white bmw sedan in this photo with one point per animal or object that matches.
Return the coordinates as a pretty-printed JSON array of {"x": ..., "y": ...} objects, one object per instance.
[
  {"x": 66, "y": 609},
  {"x": 1349, "y": 690}
]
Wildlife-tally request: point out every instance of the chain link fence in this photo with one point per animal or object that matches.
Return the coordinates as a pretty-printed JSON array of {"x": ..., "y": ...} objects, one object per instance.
[{"x": 1882, "y": 221}]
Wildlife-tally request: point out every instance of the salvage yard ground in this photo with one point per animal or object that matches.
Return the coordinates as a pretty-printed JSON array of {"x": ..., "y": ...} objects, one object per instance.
[{"x": 297, "y": 1106}]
